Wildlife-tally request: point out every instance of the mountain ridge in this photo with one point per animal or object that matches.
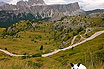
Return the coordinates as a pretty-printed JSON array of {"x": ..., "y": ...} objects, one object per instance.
[{"x": 23, "y": 10}]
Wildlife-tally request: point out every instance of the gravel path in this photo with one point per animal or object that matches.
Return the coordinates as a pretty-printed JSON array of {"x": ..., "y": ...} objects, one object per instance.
[
  {"x": 56, "y": 51},
  {"x": 90, "y": 38},
  {"x": 11, "y": 53},
  {"x": 72, "y": 42}
]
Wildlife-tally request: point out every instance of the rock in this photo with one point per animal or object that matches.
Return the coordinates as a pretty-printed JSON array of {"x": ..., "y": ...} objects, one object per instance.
[{"x": 34, "y": 9}]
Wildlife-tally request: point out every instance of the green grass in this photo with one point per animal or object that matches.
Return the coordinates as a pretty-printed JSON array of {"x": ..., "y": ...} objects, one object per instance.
[
  {"x": 90, "y": 53},
  {"x": 31, "y": 41}
]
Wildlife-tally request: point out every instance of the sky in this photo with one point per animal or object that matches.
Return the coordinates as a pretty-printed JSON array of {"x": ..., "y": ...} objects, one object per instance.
[{"x": 84, "y": 4}]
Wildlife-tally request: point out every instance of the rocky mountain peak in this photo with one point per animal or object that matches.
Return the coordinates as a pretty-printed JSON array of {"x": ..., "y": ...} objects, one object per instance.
[
  {"x": 35, "y": 9},
  {"x": 41, "y": 2},
  {"x": 36, "y": 2},
  {"x": 30, "y": 3},
  {"x": 21, "y": 3}
]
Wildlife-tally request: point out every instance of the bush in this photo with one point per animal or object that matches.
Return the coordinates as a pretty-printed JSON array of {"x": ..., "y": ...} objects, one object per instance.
[
  {"x": 35, "y": 41},
  {"x": 41, "y": 48},
  {"x": 80, "y": 29},
  {"x": 71, "y": 53},
  {"x": 100, "y": 47},
  {"x": 46, "y": 43},
  {"x": 4, "y": 58},
  {"x": 25, "y": 57},
  {"x": 87, "y": 35},
  {"x": 64, "y": 55},
  {"x": 36, "y": 55},
  {"x": 6, "y": 49},
  {"x": 74, "y": 33},
  {"x": 4, "y": 34}
]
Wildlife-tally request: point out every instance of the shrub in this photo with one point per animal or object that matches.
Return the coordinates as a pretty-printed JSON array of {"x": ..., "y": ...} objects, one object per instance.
[
  {"x": 74, "y": 33},
  {"x": 4, "y": 34},
  {"x": 87, "y": 35},
  {"x": 41, "y": 48},
  {"x": 100, "y": 47},
  {"x": 6, "y": 49},
  {"x": 36, "y": 55},
  {"x": 71, "y": 53},
  {"x": 25, "y": 57},
  {"x": 46, "y": 43},
  {"x": 39, "y": 36},
  {"x": 64, "y": 55},
  {"x": 24, "y": 53},
  {"x": 35, "y": 41},
  {"x": 4, "y": 58},
  {"x": 80, "y": 29},
  {"x": 40, "y": 60}
]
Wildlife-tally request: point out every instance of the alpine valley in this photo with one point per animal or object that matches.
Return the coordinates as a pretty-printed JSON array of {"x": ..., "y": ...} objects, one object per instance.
[{"x": 34, "y": 35}]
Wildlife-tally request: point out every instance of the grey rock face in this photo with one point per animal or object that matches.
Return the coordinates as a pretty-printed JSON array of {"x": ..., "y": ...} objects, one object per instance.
[
  {"x": 39, "y": 10},
  {"x": 22, "y": 3},
  {"x": 41, "y": 2},
  {"x": 44, "y": 10},
  {"x": 8, "y": 7},
  {"x": 32, "y": 2}
]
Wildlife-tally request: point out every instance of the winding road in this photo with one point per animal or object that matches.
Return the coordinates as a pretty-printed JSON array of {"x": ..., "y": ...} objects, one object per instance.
[
  {"x": 56, "y": 51},
  {"x": 90, "y": 38},
  {"x": 11, "y": 53}
]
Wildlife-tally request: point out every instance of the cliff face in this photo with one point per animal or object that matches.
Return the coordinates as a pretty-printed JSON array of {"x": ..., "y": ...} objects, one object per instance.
[{"x": 40, "y": 10}]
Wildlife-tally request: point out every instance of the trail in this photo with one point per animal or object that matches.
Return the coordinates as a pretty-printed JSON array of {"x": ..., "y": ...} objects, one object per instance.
[
  {"x": 90, "y": 38},
  {"x": 82, "y": 38},
  {"x": 11, "y": 53},
  {"x": 56, "y": 51},
  {"x": 73, "y": 40}
]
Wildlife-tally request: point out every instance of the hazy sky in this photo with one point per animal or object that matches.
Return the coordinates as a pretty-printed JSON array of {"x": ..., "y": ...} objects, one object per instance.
[{"x": 84, "y": 4}]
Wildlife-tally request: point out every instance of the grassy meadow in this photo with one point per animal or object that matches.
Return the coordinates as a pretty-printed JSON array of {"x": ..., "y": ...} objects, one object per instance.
[{"x": 30, "y": 36}]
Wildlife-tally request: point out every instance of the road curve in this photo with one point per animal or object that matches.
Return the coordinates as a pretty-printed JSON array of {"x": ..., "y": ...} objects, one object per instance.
[
  {"x": 56, "y": 51},
  {"x": 90, "y": 38},
  {"x": 11, "y": 53}
]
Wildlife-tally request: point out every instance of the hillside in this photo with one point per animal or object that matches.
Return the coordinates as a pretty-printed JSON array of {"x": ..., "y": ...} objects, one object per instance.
[
  {"x": 94, "y": 11},
  {"x": 89, "y": 54},
  {"x": 35, "y": 38}
]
